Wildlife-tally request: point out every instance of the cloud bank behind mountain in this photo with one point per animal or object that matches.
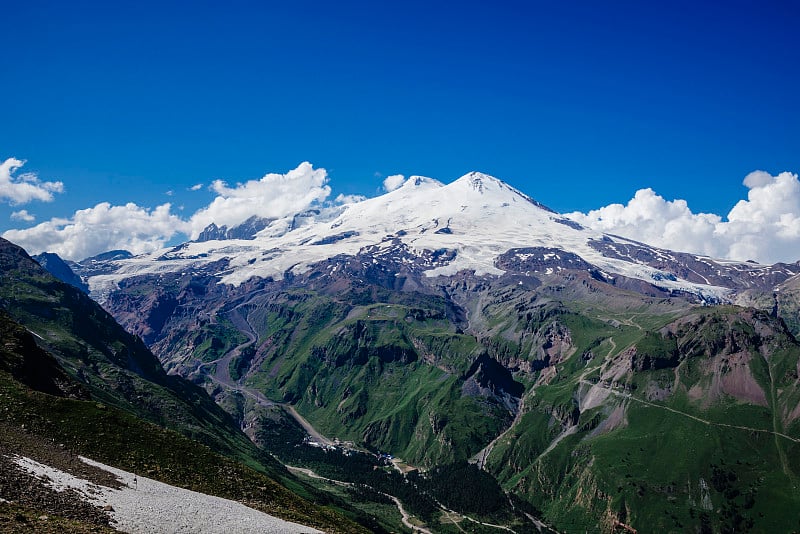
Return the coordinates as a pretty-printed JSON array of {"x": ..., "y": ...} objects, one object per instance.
[{"x": 764, "y": 227}]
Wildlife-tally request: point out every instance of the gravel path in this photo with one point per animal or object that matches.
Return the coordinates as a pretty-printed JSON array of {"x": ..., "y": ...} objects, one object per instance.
[{"x": 143, "y": 505}]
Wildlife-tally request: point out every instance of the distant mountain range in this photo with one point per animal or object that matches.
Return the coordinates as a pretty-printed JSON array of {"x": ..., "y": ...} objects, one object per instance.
[
  {"x": 477, "y": 224},
  {"x": 598, "y": 380}
]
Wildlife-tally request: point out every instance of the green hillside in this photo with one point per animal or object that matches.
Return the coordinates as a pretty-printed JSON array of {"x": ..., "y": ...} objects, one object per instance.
[{"x": 609, "y": 408}]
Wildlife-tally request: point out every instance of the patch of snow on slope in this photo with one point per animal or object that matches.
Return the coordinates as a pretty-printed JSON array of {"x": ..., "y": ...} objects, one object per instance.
[{"x": 149, "y": 506}]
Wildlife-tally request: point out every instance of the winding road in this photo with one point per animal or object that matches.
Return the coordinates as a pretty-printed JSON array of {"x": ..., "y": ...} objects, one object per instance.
[
  {"x": 405, "y": 517},
  {"x": 222, "y": 375}
]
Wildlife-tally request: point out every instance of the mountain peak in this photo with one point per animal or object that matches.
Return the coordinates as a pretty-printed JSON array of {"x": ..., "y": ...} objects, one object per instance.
[
  {"x": 482, "y": 183},
  {"x": 479, "y": 181},
  {"x": 414, "y": 182}
]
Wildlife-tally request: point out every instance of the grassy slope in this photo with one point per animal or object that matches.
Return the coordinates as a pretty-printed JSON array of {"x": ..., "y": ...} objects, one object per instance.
[
  {"x": 115, "y": 367},
  {"x": 662, "y": 469},
  {"x": 386, "y": 374}
]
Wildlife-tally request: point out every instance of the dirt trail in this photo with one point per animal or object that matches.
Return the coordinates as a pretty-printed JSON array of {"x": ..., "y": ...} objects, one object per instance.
[
  {"x": 261, "y": 400},
  {"x": 313, "y": 432},
  {"x": 613, "y": 348},
  {"x": 568, "y": 432},
  {"x": 450, "y": 513},
  {"x": 405, "y": 516},
  {"x": 777, "y": 425},
  {"x": 690, "y": 416},
  {"x": 222, "y": 376},
  {"x": 222, "y": 372},
  {"x": 480, "y": 458}
]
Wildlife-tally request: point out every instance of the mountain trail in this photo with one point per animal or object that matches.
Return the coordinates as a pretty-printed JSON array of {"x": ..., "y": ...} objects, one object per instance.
[
  {"x": 690, "y": 416},
  {"x": 613, "y": 348},
  {"x": 405, "y": 516},
  {"x": 776, "y": 425},
  {"x": 308, "y": 427}
]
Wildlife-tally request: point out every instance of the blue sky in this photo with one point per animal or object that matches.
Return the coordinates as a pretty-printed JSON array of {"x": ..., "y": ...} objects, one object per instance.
[{"x": 578, "y": 104}]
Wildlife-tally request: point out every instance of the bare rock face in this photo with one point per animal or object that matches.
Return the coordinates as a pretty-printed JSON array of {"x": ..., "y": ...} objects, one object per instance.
[
  {"x": 246, "y": 230},
  {"x": 710, "y": 356},
  {"x": 698, "y": 269}
]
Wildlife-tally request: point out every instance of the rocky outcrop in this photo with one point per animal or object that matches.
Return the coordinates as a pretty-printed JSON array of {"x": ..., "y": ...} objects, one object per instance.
[{"x": 246, "y": 230}]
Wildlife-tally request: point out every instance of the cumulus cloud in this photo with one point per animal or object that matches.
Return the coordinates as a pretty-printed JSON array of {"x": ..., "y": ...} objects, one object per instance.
[
  {"x": 99, "y": 229},
  {"x": 274, "y": 195},
  {"x": 765, "y": 227},
  {"x": 196, "y": 187},
  {"x": 349, "y": 199},
  {"x": 140, "y": 230},
  {"x": 393, "y": 182},
  {"x": 22, "y": 215},
  {"x": 25, "y": 187}
]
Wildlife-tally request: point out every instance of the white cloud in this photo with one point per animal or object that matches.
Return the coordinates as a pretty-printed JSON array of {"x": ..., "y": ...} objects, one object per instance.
[
  {"x": 393, "y": 182},
  {"x": 139, "y": 230},
  {"x": 196, "y": 187},
  {"x": 23, "y": 188},
  {"x": 757, "y": 179},
  {"x": 765, "y": 227},
  {"x": 349, "y": 199},
  {"x": 22, "y": 215},
  {"x": 99, "y": 229},
  {"x": 274, "y": 195},
  {"x": 170, "y": 193}
]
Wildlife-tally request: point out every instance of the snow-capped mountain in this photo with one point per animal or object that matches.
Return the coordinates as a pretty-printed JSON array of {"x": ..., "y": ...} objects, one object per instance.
[
  {"x": 443, "y": 323},
  {"x": 476, "y": 223}
]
